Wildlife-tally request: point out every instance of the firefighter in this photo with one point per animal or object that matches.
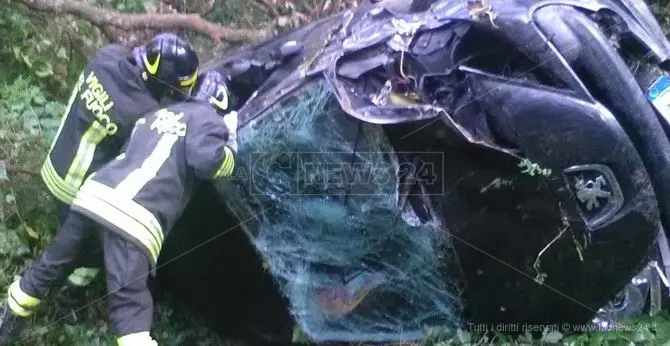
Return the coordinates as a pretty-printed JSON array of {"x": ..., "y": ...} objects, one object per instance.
[
  {"x": 129, "y": 205},
  {"x": 115, "y": 89}
]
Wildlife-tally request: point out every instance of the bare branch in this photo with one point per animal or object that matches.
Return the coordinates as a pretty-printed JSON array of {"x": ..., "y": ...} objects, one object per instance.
[{"x": 189, "y": 21}]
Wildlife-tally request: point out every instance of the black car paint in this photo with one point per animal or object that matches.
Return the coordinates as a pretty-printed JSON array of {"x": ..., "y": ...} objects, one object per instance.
[{"x": 606, "y": 120}]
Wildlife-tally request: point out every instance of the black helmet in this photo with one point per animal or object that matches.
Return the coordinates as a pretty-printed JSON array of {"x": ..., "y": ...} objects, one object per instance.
[
  {"x": 212, "y": 88},
  {"x": 170, "y": 66}
]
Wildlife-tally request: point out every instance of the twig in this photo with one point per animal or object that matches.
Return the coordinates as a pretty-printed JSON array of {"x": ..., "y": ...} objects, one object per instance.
[
  {"x": 540, "y": 277},
  {"x": 39, "y": 123},
  {"x": 16, "y": 206}
]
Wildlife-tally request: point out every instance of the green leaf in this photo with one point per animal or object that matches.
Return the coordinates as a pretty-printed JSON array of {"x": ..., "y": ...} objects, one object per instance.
[
  {"x": 54, "y": 110},
  {"x": 34, "y": 90},
  {"x": 28, "y": 115},
  {"x": 43, "y": 69},
  {"x": 18, "y": 19},
  {"x": 62, "y": 54},
  {"x": 26, "y": 59},
  {"x": 31, "y": 232},
  {"x": 526, "y": 337},
  {"x": 50, "y": 124},
  {"x": 643, "y": 335},
  {"x": 39, "y": 99},
  {"x": 11, "y": 244},
  {"x": 32, "y": 125},
  {"x": 17, "y": 52},
  {"x": 552, "y": 337},
  {"x": 17, "y": 107}
]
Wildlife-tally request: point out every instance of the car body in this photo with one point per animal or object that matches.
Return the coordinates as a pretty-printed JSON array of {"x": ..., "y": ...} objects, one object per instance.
[{"x": 446, "y": 164}]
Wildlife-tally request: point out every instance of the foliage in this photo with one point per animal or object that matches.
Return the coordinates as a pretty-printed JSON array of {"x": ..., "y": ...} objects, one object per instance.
[
  {"x": 51, "y": 51},
  {"x": 27, "y": 121}
]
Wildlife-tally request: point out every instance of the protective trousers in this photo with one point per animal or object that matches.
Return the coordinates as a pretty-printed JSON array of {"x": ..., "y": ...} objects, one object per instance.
[
  {"x": 127, "y": 271},
  {"x": 89, "y": 263}
]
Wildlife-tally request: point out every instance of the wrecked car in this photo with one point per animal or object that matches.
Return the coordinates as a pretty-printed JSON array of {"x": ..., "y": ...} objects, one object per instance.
[{"x": 433, "y": 164}]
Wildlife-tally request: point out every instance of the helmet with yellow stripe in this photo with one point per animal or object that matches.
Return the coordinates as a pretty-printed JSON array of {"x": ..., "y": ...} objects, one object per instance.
[
  {"x": 169, "y": 64},
  {"x": 213, "y": 89}
]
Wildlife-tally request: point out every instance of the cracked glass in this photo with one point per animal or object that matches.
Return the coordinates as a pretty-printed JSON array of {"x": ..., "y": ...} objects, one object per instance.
[{"x": 318, "y": 192}]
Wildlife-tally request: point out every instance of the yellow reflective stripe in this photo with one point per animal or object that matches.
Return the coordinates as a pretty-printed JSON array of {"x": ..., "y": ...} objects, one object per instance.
[
  {"x": 227, "y": 165},
  {"x": 122, "y": 212},
  {"x": 152, "y": 68},
  {"x": 191, "y": 79},
  {"x": 138, "y": 178},
  {"x": 21, "y": 297},
  {"x": 56, "y": 185},
  {"x": 20, "y": 302},
  {"x": 124, "y": 204},
  {"x": 82, "y": 160},
  {"x": 223, "y": 104},
  {"x": 83, "y": 276},
  {"x": 18, "y": 309},
  {"x": 73, "y": 96},
  {"x": 124, "y": 222},
  {"x": 136, "y": 339}
]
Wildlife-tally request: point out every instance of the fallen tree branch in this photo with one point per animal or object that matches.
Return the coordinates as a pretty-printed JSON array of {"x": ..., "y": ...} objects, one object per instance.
[{"x": 189, "y": 21}]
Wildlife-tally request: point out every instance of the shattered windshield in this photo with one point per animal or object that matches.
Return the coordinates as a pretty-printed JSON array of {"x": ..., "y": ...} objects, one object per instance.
[{"x": 318, "y": 191}]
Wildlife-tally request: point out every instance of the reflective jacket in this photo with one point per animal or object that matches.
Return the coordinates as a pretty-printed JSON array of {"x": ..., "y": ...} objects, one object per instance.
[
  {"x": 108, "y": 98},
  {"x": 142, "y": 192}
]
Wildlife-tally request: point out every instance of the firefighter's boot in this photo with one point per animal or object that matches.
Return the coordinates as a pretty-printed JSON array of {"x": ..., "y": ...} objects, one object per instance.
[
  {"x": 11, "y": 325},
  {"x": 13, "y": 315}
]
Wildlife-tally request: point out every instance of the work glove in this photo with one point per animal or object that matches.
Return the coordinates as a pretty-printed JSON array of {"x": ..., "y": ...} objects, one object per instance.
[{"x": 230, "y": 121}]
